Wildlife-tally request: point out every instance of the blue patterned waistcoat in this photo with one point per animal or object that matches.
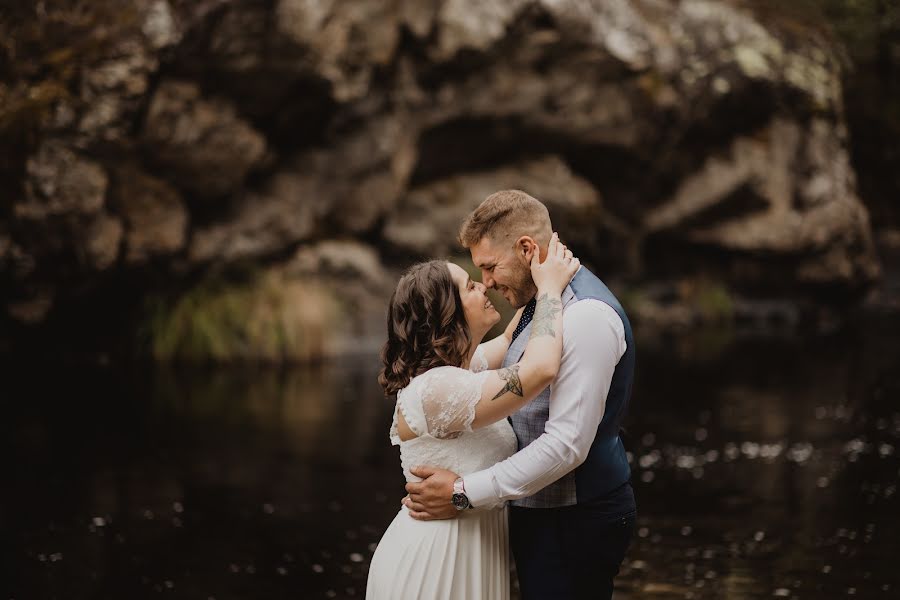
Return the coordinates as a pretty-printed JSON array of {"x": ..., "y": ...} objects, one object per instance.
[{"x": 606, "y": 467}]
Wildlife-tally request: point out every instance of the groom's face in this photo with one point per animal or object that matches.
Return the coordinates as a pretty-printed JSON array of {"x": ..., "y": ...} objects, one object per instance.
[{"x": 504, "y": 270}]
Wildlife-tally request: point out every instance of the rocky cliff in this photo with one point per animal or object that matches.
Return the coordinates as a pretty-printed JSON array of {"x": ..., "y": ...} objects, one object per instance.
[{"x": 151, "y": 152}]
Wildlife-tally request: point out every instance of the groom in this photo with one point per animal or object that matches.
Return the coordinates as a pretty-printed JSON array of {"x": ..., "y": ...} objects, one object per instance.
[{"x": 572, "y": 508}]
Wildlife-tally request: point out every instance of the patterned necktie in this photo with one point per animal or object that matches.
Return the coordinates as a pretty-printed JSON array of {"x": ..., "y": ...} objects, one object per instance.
[{"x": 527, "y": 315}]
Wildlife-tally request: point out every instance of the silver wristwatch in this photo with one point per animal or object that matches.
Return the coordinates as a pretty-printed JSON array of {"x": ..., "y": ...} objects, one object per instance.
[{"x": 459, "y": 500}]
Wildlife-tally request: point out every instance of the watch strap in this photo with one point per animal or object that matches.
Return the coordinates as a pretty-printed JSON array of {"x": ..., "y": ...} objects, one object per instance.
[{"x": 459, "y": 499}]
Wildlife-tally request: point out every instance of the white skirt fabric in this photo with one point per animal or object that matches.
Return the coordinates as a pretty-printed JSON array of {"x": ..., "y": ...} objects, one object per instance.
[{"x": 456, "y": 559}]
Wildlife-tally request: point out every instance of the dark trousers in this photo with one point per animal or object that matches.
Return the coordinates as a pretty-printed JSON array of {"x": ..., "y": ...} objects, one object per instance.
[{"x": 568, "y": 553}]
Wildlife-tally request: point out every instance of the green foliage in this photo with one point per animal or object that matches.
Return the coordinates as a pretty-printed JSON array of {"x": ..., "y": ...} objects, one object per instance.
[
  {"x": 263, "y": 318},
  {"x": 631, "y": 298},
  {"x": 690, "y": 301},
  {"x": 713, "y": 301},
  {"x": 863, "y": 25}
]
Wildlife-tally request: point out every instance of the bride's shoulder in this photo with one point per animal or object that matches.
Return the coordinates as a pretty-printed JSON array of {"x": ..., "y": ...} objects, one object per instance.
[{"x": 438, "y": 373}]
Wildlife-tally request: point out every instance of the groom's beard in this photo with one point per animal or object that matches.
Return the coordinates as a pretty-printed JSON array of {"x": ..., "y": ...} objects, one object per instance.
[{"x": 521, "y": 290}]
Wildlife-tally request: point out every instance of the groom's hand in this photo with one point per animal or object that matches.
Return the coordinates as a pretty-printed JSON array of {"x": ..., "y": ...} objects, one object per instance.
[{"x": 430, "y": 499}]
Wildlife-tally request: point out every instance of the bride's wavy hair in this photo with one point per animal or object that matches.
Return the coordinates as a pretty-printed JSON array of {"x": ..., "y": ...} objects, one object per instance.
[{"x": 426, "y": 325}]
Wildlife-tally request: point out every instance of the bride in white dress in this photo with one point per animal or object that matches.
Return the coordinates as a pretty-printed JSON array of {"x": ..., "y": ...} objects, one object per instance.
[{"x": 451, "y": 412}]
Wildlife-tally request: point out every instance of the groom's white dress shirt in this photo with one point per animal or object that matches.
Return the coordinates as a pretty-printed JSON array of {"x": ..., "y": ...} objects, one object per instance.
[{"x": 593, "y": 343}]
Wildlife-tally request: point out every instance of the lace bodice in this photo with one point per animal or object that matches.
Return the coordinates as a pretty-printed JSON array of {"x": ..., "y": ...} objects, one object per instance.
[{"x": 439, "y": 406}]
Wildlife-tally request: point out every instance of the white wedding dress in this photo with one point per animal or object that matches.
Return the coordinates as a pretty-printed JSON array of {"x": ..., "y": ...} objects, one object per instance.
[{"x": 462, "y": 558}]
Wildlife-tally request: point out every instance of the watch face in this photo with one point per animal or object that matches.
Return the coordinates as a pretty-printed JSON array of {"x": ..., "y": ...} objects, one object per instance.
[{"x": 460, "y": 501}]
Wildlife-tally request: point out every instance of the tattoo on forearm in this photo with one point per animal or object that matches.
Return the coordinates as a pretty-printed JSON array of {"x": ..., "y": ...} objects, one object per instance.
[
  {"x": 545, "y": 316},
  {"x": 513, "y": 384}
]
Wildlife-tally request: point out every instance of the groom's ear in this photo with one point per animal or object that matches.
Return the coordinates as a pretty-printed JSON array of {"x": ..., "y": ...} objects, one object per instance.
[{"x": 526, "y": 247}]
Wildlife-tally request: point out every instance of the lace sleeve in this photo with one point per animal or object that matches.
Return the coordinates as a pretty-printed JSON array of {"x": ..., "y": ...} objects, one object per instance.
[
  {"x": 411, "y": 408},
  {"x": 393, "y": 433},
  {"x": 449, "y": 398},
  {"x": 479, "y": 360}
]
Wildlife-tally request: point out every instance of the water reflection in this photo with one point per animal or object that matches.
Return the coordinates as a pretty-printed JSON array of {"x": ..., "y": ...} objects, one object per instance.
[
  {"x": 227, "y": 484},
  {"x": 764, "y": 467},
  {"x": 767, "y": 469}
]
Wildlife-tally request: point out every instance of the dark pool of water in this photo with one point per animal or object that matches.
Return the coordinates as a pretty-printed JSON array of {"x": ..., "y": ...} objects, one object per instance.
[{"x": 764, "y": 467}]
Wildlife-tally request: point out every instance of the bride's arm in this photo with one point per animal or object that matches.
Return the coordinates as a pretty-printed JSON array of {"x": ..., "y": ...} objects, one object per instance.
[
  {"x": 454, "y": 400},
  {"x": 505, "y": 391},
  {"x": 495, "y": 349}
]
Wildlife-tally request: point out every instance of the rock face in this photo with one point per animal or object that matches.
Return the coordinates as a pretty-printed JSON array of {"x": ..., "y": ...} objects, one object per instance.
[
  {"x": 202, "y": 144},
  {"x": 59, "y": 183},
  {"x": 155, "y": 217},
  {"x": 429, "y": 218},
  {"x": 199, "y": 135},
  {"x": 749, "y": 200}
]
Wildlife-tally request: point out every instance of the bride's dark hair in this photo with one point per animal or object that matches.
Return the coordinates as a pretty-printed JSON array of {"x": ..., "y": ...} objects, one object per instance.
[{"x": 426, "y": 326}]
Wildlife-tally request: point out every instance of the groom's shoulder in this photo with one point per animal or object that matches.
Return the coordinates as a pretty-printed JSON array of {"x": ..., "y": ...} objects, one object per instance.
[
  {"x": 589, "y": 303},
  {"x": 588, "y": 311},
  {"x": 587, "y": 284},
  {"x": 590, "y": 324},
  {"x": 584, "y": 286}
]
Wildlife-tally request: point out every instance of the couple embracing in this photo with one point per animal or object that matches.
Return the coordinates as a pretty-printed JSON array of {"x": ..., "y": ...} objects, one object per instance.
[{"x": 529, "y": 419}]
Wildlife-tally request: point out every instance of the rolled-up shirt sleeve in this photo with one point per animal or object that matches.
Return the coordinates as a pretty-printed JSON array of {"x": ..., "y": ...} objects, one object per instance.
[{"x": 593, "y": 343}]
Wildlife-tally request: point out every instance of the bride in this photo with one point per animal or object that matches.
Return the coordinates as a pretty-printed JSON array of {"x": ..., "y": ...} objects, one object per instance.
[{"x": 451, "y": 412}]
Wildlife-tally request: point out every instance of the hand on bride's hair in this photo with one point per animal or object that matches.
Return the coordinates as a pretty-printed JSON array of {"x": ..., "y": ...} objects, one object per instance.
[{"x": 557, "y": 270}]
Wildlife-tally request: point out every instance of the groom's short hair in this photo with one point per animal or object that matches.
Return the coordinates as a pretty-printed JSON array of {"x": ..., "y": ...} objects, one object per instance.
[{"x": 507, "y": 214}]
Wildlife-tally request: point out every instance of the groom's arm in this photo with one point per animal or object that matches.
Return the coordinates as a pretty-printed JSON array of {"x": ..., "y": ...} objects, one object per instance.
[{"x": 593, "y": 343}]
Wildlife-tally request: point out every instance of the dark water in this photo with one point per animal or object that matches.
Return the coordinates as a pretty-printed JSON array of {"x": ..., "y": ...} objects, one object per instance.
[{"x": 764, "y": 467}]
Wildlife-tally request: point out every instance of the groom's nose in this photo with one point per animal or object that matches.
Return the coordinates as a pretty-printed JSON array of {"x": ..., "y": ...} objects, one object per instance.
[{"x": 487, "y": 279}]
